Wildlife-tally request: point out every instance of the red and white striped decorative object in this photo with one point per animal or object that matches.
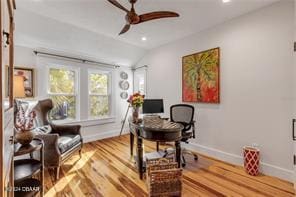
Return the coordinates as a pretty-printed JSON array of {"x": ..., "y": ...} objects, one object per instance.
[{"x": 251, "y": 160}]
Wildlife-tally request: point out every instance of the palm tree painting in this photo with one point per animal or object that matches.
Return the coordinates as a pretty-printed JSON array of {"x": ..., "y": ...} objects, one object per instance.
[{"x": 200, "y": 77}]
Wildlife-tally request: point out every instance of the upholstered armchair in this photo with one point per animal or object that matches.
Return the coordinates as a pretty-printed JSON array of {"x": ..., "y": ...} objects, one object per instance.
[{"x": 60, "y": 141}]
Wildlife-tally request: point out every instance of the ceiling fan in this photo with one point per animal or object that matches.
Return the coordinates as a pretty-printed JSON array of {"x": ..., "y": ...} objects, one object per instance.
[{"x": 132, "y": 18}]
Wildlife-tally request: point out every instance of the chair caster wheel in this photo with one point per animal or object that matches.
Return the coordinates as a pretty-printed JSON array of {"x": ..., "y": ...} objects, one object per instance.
[{"x": 183, "y": 164}]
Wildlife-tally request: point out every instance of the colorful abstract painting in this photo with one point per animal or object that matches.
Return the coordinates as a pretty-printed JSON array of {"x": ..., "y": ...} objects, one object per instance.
[{"x": 200, "y": 78}]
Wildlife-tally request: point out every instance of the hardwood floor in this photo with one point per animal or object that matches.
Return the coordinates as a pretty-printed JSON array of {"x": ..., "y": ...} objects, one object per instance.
[{"x": 106, "y": 169}]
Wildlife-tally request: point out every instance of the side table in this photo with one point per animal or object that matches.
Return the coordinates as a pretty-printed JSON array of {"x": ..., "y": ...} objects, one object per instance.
[{"x": 25, "y": 170}]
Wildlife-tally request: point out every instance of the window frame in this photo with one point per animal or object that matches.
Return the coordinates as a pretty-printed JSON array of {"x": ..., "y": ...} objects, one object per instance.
[
  {"x": 76, "y": 93},
  {"x": 139, "y": 78},
  {"x": 109, "y": 93},
  {"x": 136, "y": 82}
]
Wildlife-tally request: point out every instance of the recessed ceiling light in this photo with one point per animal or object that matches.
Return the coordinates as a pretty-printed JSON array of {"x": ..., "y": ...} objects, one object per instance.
[
  {"x": 144, "y": 38},
  {"x": 226, "y": 1}
]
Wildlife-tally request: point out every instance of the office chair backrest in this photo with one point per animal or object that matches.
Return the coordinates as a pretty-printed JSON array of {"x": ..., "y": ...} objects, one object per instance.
[{"x": 182, "y": 113}]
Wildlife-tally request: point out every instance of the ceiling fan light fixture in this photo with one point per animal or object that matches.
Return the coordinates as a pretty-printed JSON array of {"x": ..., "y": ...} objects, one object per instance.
[
  {"x": 143, "y": 38},
  {"x": 226, "y": 1}
]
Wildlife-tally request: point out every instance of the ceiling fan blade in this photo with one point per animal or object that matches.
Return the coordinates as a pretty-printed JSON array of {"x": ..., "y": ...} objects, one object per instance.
[
  {"x": 115, "y": 3},
  {"x": 157, "y": 15},
  {"x": 125, "y": 29}
]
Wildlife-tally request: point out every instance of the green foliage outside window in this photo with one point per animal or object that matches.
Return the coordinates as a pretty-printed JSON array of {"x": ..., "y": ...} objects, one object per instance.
[
  {"x": 99, "y": 99},
  {"x": 64, "y": 107},
  {"x": 62, "y": 81},
  {"x": 99, "y": 106},
  {"x": 62, "y": 90}
]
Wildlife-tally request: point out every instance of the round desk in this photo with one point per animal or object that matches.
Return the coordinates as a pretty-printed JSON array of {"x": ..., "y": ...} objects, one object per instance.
[{"x": 157, "y": 130}]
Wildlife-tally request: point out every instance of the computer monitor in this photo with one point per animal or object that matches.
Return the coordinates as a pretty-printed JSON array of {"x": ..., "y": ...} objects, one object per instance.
[{"x": 153, "y": 106}]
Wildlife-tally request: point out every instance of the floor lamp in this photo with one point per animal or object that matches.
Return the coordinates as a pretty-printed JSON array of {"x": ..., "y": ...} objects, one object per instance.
[{"x": 124, "y": 120}]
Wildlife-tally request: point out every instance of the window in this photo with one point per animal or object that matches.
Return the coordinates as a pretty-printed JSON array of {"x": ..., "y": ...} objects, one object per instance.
[
  {"x": 142, "y": 84},
  {"x": 63, "y": 92},
  {"x": 99, "y": 94},
  {"x": 140, "y": 81}
]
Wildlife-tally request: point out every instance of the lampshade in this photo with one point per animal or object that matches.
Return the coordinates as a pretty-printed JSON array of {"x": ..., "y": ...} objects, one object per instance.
[{"x": 18, "y": 86}]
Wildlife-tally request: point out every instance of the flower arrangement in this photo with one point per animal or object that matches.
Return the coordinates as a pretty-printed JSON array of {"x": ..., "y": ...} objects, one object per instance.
[
  {"x": 136, "y": 100},
  {"x": 24, "y": 122}
]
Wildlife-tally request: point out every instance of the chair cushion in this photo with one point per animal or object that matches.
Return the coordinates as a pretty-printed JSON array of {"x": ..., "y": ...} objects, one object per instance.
[{"x": 66, "y": 142}]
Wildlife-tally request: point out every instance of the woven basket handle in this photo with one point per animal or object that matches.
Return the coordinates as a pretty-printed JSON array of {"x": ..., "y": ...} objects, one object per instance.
[{"x": 164, "y": 160}]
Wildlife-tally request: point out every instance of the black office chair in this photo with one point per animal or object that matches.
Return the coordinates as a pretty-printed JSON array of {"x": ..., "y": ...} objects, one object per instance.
[{"x": 184, "y": 114}]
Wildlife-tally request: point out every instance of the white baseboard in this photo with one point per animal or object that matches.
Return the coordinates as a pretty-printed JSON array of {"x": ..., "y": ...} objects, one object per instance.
[
  {"x": 103, "y": 135},
  {"x": 266, "y": 168}
]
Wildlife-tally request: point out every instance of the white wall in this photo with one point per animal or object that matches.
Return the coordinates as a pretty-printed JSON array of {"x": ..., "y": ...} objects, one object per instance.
[
  {"x": 91, "y": 130},
  {"x": 256, "y": 86}
]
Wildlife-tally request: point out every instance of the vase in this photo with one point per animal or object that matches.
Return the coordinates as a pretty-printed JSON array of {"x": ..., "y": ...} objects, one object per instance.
[
  {"x": 251, "y": 160},
  {"x": 136, "y": 114},
  {"x": 24, "y": 137}
]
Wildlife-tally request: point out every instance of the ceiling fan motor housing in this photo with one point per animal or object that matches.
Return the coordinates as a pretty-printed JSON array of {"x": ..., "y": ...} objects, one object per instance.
[{"x": 132, "y": 18}]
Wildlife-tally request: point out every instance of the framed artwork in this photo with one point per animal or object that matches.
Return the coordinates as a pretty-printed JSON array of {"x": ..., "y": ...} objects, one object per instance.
[
  {"x": 28, "y": 77},
  {"x": 201, "y": 77}
]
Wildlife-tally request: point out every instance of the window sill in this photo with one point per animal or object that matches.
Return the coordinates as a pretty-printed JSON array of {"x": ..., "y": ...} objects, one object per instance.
[{"x": 88, "y": 122}]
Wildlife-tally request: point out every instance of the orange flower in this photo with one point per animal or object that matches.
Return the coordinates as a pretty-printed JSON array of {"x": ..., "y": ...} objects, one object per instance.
[{"x": 136, "y": 100}]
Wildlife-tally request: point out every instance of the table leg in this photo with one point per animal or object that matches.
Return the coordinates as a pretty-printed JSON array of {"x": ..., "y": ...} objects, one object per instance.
[
  {"x": 178, "y": 153},
  {"x": 140, "y": 156},
  {"x": 131, "y": 143},
  {"x": 157, "y": 146}
]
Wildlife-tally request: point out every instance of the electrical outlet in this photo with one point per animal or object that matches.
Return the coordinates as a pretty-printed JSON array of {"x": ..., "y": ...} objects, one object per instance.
[{"x": 255, "y": 145}]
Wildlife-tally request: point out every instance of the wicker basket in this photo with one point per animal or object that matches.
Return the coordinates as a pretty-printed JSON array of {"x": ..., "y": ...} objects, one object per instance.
[{"x": 164, "y": 178}]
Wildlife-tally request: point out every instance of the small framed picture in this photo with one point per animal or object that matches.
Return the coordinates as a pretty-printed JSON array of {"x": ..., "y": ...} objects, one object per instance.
[{"x": 25, "y": 78}]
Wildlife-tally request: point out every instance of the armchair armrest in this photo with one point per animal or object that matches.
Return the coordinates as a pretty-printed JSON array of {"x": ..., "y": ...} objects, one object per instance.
[
  {"x": 66, "y": 129},
  {"x": 51, "y": 150}
]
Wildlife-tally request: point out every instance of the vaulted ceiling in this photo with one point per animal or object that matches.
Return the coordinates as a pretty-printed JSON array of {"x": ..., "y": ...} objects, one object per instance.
[{"x": 100, "y": 18}]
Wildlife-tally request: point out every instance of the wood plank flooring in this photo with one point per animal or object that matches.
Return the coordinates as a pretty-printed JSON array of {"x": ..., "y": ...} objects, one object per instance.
[{"x": 106, "y": 169}]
